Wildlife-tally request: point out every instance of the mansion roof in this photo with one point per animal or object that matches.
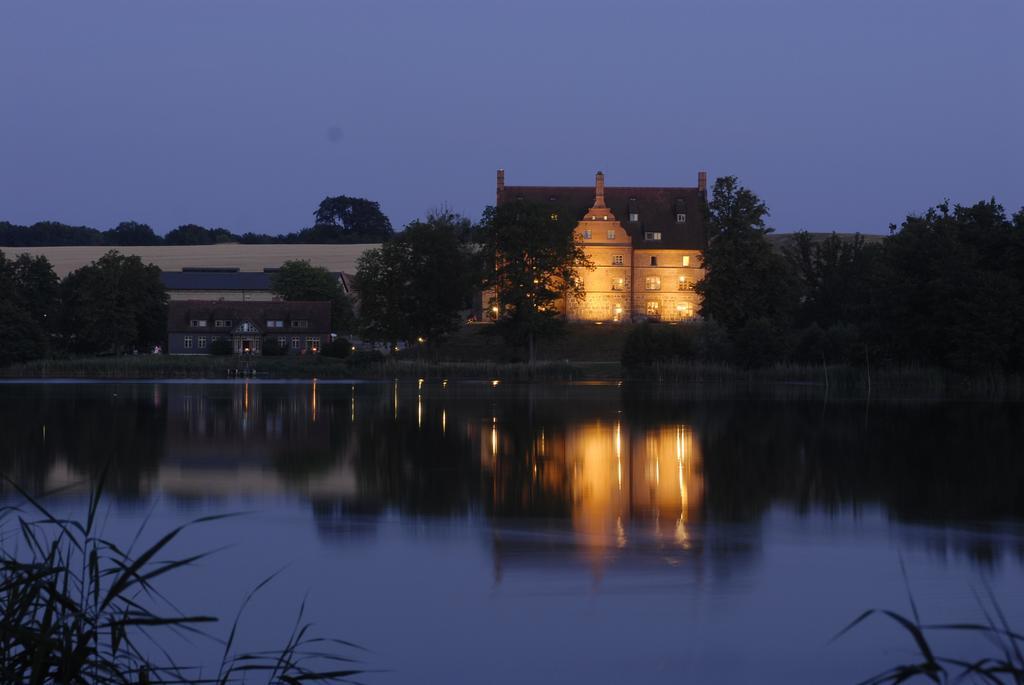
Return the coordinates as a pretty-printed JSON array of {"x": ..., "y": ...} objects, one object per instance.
[
  {"x": 181, "y": 313},
  {"x": 655, "y": 208}
]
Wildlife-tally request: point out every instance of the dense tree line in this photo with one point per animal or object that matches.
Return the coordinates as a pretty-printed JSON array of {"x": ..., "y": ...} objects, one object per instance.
[
  {"x": 115, "y": 305},
  {"x": 943, "y": 289},
  {"x": 339, "y": 219}
]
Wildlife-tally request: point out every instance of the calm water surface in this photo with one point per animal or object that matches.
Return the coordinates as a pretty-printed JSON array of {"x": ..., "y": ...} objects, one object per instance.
[{"x": 466, "y": 533}]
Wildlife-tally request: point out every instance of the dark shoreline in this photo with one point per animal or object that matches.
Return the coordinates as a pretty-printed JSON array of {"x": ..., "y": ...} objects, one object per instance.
[{"x": 789, "y": 380}]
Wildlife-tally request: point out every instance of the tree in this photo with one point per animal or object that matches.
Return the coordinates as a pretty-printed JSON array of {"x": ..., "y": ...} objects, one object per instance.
[
  {"x": 533, "y": 263},
  {"x": 131, "y": 233},
  {"x": 382, "y": 285},
  {"x": 344, "y": 219},
  {"x": 950, "y": 290},
  {"x": 115, "y": 304},
  {"x": 745, "y": 281},
  {"x": 29, "y": 296},
  {"x": 415, "y": 286},
  {"x": 298, "y": 280}
]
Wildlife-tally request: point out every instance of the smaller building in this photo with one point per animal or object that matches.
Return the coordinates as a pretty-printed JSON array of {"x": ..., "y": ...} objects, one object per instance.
[
  {"x": 228, "y": 283},
  {"x": 299, "y": 327}
]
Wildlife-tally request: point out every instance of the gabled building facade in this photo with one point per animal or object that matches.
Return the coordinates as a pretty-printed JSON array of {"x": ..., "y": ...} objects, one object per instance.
[
  {"x": 645, "y": 243},
  {"x": 299, "y": 327}
]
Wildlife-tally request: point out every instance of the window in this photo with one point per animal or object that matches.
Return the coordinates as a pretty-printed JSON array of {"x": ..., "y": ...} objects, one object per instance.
[
  {"x": 680, "y": 218},
  {"x": 653, "y": 308},
  {"x": 295, "y": 342},
  {"x": 686, "y": 260},
  {"x": 222, "y": 323},
  {"x": 282, "y": 341},
  {"x": 188, "y": 342},
  {"x": 586, "y": 234},
  {"x": 300, "y": 323},
  {"x": 618, "y": 284},
  {"x": 652, "y": 283},
  {"x": 617, "y": 260},
  {"x": 197, "y": 323},
  {"x": 634, "y": 217},
  {"x": 684, "y": 284},
  {"x": 313, "y": 343},
  {"x": 202, "y": 342},
  {"x": 685, "y": 310},
  {"x": 652, "y": 235},
  {"x": 554, "y": 216},
  {"x": 247, "y": 328},
  {"x": 276, "y": 323},
  {"x": 654, "y": 261},
  {"x": 611, "y": 235}
]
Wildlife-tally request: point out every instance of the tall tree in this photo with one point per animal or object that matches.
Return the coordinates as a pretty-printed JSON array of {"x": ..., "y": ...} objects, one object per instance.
[
  {"x": 349, "y": 219},
  {"x": 115, "y": 304},
  {"x": 533, "y": 263},
  {"x": 298, "y": 280},
  {"x": 747, "y": 287},
  {"x": 416, "y": 285}
]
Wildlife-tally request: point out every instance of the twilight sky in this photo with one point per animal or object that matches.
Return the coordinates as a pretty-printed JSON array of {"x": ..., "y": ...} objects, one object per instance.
[{"x": 246, "y": 113}]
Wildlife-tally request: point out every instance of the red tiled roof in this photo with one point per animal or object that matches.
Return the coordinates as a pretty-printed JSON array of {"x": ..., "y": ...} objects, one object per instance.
[{"x": 656, "y": 207}]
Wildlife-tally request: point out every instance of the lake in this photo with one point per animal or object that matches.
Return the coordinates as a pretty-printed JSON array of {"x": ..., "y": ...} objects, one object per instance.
[{"x": 550, "y": 533}]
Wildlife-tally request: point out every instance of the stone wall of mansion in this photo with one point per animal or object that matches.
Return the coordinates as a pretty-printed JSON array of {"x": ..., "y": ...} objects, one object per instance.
[{"x": 645, "y": 244}]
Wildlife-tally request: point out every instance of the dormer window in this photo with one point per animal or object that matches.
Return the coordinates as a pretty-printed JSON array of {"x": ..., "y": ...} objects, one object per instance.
[
  {"x": 197, "y": 323},
  {"x": 652, "y": 235},
  {"x": 680, "y": 217},
  {"x": 634, "y": 217}
]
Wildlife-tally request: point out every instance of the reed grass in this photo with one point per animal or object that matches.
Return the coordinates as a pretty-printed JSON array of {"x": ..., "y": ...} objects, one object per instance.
[{"x": 78, "y": 608}]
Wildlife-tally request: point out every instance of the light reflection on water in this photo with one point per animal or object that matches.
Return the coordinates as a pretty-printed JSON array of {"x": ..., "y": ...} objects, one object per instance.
[{"x": 613, "y": 532}]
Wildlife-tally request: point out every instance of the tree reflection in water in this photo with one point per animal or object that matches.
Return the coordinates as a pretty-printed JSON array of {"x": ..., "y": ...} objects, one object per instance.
[{"x": 577, "y": 473}]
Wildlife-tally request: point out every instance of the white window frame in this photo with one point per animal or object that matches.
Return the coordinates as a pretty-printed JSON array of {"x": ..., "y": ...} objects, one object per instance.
[
  {"x": 587, "y": 234},
  {"x": 634, "y": 217},
  {"x": 188, "y": 342},
  {"x": 611, "y": 234},
  {"x": 652, "y": 235},
  {"x": 617, "y": 260},
  {"x": 680, "y": 217},
  {"x": 201, "y": 342},
  {"x": 652, "y": 283}
]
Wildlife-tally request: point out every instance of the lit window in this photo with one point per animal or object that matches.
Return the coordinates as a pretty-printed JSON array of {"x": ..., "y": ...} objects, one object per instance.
[
  {"x": 634, "y": 217},
  {"x": 652, "y": 283},
  {"x": 554, "y": 216},
  {"x": 680, "y": 218},
  {"x": 605, "y": 217},
  {"x": 652, "y": 235},
  {"x": 202, "y": 342},
  {"x": 611, "y": 235},
  {"x": 188, "y": 342},
  {"x": 618, "y": 284},
  {"x": 586, "y": 234},
  {"x": 653, "y": 308},
  {"x": 313, "y": 343},
  {"x": 654, "y": 261},
  {"x": 683, "y": 283},
  {"x": 617, "y": 260},
  {"x": 686, "y": 260},
  {"x": 685, "y": 310}
]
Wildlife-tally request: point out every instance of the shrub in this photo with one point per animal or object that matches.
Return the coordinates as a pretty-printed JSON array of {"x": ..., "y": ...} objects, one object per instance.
[
  {"x": 339, "y": 348},
  {"x": 365, "y": 357},
  {"x": 272, "y": 347},
  {"x": 221, "y": 347},
  {"x": 652, "y": 343}
]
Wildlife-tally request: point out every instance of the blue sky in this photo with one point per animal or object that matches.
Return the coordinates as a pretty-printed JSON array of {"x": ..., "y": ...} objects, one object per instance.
[{"x": 246, "y": 113}]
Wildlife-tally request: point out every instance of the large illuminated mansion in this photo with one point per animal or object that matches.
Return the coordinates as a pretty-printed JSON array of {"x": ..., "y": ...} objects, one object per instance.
[{"x": 645, "y": 244}]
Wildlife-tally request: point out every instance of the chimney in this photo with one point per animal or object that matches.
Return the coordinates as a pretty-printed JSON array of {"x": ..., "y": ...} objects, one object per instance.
[
  {"x": 702, "y": 182},
  {"x": 501, "y": 184},
  {"x": 599, "y": 189}
]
